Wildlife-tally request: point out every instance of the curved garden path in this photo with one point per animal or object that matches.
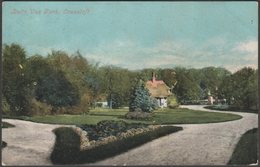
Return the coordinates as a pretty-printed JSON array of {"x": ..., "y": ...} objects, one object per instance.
[
  {"x": 198, "y": 144},
  {"x": 28, "y": 143}
]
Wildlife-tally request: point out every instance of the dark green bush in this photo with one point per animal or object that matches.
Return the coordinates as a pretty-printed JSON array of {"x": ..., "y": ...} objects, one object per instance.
[
  {"x": 5, "y": 106},
  {"x": 229, "y": 108},
  {"x": 108, "y": 128},
  {"x": 39, "y": 108},
  {"x": 246, "y": 150},
  {"x": 67, "y": 146},
  {"x": 4, "y": 144},
  {"x": 138, "y": 115},
  {"x": 172, "y": 102}
]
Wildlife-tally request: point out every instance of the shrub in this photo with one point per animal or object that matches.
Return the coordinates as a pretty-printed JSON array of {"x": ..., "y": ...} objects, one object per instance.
[
  {"x": 139, "y": 115},
  {"x": 172, "y": 102},
  {"x": 5, "y": 106},
  {"x": 39, "y": 108},
  {"x": 67, "y": 146},
  {"x": 107, "y": 149},
  {"x": 246, "y": 149},
  {"x": 4, "y": 144},
  {"x": 108, "y": 128}
]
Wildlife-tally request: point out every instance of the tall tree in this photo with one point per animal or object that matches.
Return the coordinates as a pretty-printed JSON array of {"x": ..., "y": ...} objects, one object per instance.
[
  {"x": 15, "y": 89},
  {"x": 242, "y": 87},
  {"x": 187, "y": 88}
]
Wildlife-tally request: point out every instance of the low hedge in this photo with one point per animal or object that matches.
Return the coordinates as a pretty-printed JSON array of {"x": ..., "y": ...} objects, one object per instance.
[
  {"x": 67, "y": 146},
  {"x": 230, "y": 108},
  {"x": 246, "y": 149}
]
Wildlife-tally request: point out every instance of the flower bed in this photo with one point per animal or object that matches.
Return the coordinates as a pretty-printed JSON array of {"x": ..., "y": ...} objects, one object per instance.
[
  {"x": 86, "y": 143},
  {"x": 108, "y": 131}
]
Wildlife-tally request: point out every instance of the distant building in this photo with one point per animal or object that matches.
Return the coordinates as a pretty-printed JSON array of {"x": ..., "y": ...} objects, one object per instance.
[
  {"x": 103, "y": 104},
  {"x": 210, "y": 99},
  {"x": 102, "y": 101},
  {"x": 159, "y": 90}
]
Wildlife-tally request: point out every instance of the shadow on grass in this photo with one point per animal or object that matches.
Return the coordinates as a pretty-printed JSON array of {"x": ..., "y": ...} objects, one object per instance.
[
  {"x": 67, "y": 145},
  {"x": 246, "y": 149}
]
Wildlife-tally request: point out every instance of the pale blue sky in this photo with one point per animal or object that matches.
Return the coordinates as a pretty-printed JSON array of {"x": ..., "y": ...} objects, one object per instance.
[{"x": 139, "y": 35}]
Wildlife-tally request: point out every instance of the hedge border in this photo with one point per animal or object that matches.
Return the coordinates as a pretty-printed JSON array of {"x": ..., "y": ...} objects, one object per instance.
[{"x": 62, "y": 155}]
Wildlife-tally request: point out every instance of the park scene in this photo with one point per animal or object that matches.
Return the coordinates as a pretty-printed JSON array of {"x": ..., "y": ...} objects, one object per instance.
[{"x": 129, "y": 83}]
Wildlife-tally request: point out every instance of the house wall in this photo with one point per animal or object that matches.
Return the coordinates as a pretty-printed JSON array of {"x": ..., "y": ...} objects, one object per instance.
[{"x": 162, "y": 102}]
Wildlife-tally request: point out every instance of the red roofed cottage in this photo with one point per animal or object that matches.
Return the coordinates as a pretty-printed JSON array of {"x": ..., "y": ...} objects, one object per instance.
[{"x": 159, "y": 90}]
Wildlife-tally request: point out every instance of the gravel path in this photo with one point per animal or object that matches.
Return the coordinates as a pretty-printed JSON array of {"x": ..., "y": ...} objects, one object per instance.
[
  {"x": 28, "y": 143},
  {"x": 198, "y": 144}
]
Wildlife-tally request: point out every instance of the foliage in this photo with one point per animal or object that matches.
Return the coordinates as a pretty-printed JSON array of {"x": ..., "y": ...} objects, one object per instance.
[
  {"x": 64, "y": 153},
  {"x": 246, "y": 150},
  {"x": 229, "y": 108},
  {"x": 117, "y": 83},
  {"x": 39, "y": 108},
  {"x": 140, "y": 99},
  {"x": 138, "y": 115},
  {"x": 4, "y": 144},
  {"x": 5, "y": 106},
  {"x": 57, "y": 91},
  {"x": 71, "y": 84},
  {"x": 186, "y": 88},
  {"x": 15, "y": 89},
  {"x": 107, "y": 128},
  {"x": 241, "y": 89},
  {"x": 172, "y": 102},
  {"x": 67, "y": 145}
]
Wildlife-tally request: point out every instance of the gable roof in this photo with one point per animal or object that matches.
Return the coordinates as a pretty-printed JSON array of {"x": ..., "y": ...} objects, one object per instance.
[{"x": 158, "y": 88}]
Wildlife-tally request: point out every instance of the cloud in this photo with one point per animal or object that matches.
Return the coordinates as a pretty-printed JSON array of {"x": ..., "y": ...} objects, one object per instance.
[
  {"x": 130, "y": 54},
  {"x": 249, "y": 46}
]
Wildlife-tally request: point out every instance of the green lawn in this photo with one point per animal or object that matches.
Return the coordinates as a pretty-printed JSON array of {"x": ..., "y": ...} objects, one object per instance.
[
  {"x": 187, "y": 116},
  {"x": 161, "y": 116}
]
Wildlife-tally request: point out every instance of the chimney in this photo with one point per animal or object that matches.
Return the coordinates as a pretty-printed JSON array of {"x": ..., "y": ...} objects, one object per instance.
[{"x": 154, "y": 78}]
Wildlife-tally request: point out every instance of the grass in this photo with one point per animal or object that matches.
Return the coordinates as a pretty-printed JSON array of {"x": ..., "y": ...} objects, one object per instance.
[
  {"x": 187, "y": 116},
  {"x": 66, "y": 149},
  {"x": 246, "y": 149},
  {"x": 161, "y": 116}
]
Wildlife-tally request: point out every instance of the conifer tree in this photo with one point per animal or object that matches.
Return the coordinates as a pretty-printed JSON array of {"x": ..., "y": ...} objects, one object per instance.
[{"x": 140, "y": 99}]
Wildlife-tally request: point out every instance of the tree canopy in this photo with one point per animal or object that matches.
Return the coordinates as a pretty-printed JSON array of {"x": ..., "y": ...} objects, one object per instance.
[{"x": 70, "y": 83}]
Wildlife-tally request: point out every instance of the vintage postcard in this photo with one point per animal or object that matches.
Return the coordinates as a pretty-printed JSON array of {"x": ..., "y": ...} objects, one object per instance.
[{"x": 129, "y": 83}]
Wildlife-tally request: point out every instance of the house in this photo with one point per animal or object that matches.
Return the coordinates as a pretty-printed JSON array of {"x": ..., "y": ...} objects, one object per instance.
[
  {"x": 102, "y": 101},
  {"x": 159, "y": 90}
]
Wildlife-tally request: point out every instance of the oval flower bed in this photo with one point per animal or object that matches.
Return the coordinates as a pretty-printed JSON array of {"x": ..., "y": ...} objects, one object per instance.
[{"x": 88, "y": 143}]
